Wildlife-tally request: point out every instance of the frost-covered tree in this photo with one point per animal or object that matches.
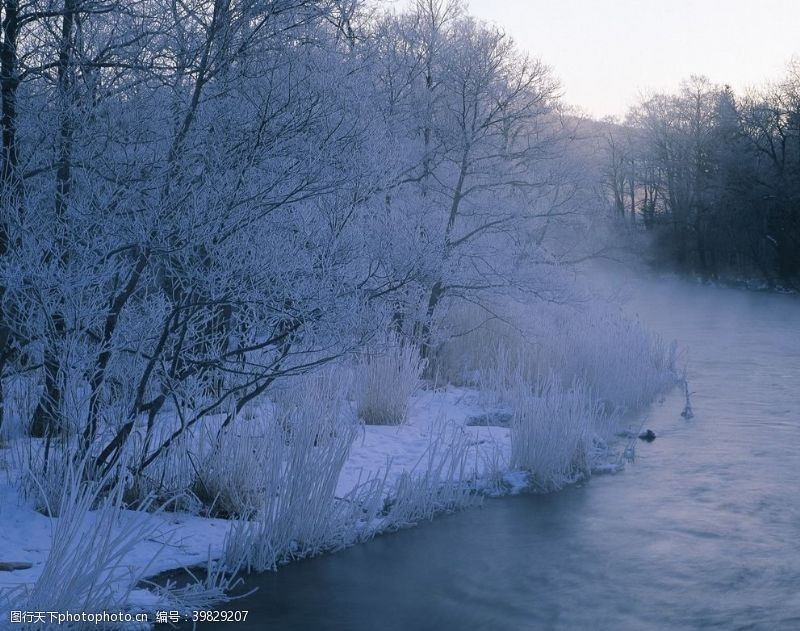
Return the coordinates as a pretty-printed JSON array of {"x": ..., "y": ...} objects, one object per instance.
[
  {"x": 482, "y": 172},
  {"x": 203, "y": 197}
]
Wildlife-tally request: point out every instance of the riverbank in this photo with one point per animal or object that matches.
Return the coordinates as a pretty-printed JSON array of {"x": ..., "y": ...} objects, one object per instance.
[
  {"x": 450, "y": 426},
  {"x": 649, "y": 548},
  {"x": 180, "y": 539},
  {"x": 300, "y": 472}
]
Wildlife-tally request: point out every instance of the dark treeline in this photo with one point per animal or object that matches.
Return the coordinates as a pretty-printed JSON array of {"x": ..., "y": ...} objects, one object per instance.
[{"x": 714, "y": 178}]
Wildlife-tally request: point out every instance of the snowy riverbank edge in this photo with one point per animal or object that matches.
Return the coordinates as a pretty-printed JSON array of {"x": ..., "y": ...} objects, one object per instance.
[{"x": 184, "y": 540}]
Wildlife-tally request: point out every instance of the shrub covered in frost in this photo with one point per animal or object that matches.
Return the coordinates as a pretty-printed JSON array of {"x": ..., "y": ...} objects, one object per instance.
[{"x": 385, "y": 381}]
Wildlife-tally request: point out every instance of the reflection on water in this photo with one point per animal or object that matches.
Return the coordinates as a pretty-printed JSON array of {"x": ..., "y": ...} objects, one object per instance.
[{"x": 701, "y": 531}]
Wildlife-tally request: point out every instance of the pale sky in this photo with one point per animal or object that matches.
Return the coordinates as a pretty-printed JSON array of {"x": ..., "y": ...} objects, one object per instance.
[{"x": 606, "y": 52}]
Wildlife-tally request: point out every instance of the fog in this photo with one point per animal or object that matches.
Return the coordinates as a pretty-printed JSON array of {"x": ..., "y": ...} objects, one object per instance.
[{"x": 283, "y": 278}]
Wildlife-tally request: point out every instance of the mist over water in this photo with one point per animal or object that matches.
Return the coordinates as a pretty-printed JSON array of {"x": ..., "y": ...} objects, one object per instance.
[{"x": 699, "y": 532}]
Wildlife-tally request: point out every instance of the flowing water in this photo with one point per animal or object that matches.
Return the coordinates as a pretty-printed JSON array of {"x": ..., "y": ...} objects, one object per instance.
[{"x": 702, "y": 531}]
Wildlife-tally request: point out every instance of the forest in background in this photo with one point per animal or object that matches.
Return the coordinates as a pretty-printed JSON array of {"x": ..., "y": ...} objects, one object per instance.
[{"x": 713, "y": 178}]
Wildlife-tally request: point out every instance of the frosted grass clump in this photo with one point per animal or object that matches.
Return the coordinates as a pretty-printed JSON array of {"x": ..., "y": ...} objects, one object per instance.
[
  {"x": 86, "y": 568},
  {"x": 551, "y": 431},
  {"x": 445, "y": 479},
  {"x": 169, "y": 478},
  {"x": 625, "y": 365},
  {"x": 45, "y": 471},
  {"x": 301, "y": 515},
  {"x": 385, "y": 382},
  {"x": 301, "y": 456},
  {"x": 472, "y": 338},
  {"x": 441, "y": 482},
  {"x": 20, "y": 395},
  {"x": 225, "y": 481}
]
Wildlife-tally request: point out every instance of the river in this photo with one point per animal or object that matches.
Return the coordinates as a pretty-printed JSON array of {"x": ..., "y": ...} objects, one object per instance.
[{"x": 701, "y": 531}]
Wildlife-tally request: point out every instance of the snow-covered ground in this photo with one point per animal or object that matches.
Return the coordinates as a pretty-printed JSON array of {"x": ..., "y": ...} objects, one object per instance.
[
  {"x": 404, "y": 447},
  {"x": 182, "y": 540}
]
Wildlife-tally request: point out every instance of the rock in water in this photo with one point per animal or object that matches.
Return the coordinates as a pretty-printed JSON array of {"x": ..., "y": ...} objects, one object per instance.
[{"x": 649, "y": 435}]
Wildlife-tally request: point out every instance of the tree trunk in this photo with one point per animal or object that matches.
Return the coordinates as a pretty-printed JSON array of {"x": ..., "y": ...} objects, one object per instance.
[
  {"x": 47, "y": 417},
  {"x": 9, "y": 178},
  {"x": 437, "y": 291}
]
